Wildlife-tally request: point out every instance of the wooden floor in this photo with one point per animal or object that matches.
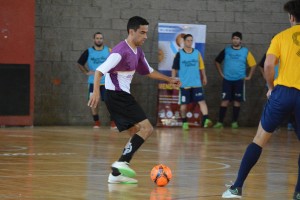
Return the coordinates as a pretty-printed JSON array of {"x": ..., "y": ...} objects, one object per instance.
[{"x": 74, "y": 162}]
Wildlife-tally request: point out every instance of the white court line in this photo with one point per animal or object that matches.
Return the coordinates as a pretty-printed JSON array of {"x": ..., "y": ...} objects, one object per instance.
[
  {"x": 226, "y": 158},
  {"x": 35, "y": 154},
  {"x": 13, "y": 148}
]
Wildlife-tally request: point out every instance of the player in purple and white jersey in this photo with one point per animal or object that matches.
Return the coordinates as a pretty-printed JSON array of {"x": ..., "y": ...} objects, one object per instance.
[{"x": 125, "y": 59}]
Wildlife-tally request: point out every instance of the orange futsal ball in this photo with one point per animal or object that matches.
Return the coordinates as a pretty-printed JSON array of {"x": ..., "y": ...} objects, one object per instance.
[{"x": 161, "y": 175}]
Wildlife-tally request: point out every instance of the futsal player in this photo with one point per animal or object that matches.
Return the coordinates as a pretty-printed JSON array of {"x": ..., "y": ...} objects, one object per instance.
[
  {"x": 283, "y": 97},
  {"x": 125, "y": 59}
]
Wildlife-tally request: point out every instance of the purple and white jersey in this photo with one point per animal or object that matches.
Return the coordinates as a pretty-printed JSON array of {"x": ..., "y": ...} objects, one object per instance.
[{"x": 121, "y": 65}]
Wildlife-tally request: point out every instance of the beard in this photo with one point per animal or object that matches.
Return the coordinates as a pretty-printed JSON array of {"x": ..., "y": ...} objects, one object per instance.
[{"x": 98, "y": 44}]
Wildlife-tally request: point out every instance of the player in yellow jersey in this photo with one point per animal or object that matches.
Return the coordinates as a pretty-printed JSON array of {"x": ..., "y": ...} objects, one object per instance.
[{"x": 283, "y": 96}]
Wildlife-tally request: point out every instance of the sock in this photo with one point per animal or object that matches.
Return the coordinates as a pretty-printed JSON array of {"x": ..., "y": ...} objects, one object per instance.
[
  {"x": 235, "y": 113},
  {"x": 204, "y": 117},
  {"x": 222, "y": 113},
  {"x": 96, "y": 117},
  {"x": 131, "y": 147},
  {"x": 251, "y": 156},
  {"x": 297, "y": 189},
  {"x": 184, "y": 119}
]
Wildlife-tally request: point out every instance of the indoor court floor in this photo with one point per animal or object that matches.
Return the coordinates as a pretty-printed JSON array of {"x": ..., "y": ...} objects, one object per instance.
[{"x": 62, "y": 163}]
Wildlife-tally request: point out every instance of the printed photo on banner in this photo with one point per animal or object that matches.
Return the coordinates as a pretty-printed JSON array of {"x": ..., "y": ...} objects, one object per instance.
[{"x": 170, "y": 41}]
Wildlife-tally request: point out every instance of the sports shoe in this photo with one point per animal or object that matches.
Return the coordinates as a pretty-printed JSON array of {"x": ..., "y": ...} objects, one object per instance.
[
  {"x": 234, "y": 125},
  {"x": 121, "y": 179},
  {"x": 96, "y": 124},
  {"x": 218, "y": 125},
  {"x": 185, "y": 126},
  {"x": 232, "y": 193},
  {"x": 207, "y": 123},
  {"x": 296, "y": 196},
  {"x": 124, "y": 168},
  {"x": 113, "y": 125},
  {"x": 290, "y": 127}
]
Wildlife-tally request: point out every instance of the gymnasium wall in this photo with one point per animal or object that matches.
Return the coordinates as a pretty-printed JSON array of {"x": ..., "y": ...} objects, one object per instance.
[
  {"x": 64, "y": 29},
  {"x": 17, "y": 44}
]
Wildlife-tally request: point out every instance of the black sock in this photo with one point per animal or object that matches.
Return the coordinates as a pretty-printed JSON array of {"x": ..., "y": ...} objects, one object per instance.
[
  {"x": 131, "y": 147},
  {"x": 96, "y": 117},
  {"x": 222, "y": 113},
  {"x": 235, "y": 113}
]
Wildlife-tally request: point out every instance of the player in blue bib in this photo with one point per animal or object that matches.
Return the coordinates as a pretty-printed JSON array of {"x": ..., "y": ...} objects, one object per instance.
[
  {"x": 88, "y": 62},
  {"x": 235, "y": 59},
  {"x": 189, "y": 66}
]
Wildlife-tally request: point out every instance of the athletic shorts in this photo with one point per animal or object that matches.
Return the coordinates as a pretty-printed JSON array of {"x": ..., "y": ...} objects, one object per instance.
[
  {"x": 91, "y": 89},
  {"x": 283, "y": 102},
  {"x": 233, "y": 90},
  {"x": 124, "y": 109},
  {"x": 189, "y": 95}
]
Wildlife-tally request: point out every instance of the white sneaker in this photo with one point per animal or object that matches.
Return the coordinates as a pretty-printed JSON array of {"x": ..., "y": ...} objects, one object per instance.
[
  {"x": 124, "y": 169},
  {"x": 232, "y": 193},
  {"x": 121, "y": 179}
]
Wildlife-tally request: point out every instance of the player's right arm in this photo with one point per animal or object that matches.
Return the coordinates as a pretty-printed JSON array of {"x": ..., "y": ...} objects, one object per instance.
[
  {"x": 272, "y": 58},
  {"x": 94, "y": 99},
  {"x": 175, "y": 66},
  {"x": 82, "y": 61},
  {"x": 219, "y": 59},
  {"x": 269, "y": 71},
  {"x": 112, "y": 61}
]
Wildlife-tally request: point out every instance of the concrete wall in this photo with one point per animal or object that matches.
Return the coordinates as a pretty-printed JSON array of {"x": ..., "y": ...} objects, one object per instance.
[{"x": 64, "y": 29}]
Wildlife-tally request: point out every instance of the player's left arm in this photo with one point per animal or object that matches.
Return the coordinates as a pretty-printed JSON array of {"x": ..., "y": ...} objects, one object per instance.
[
  {"x": 252, "y": 64},
  {"x": 159, "y": 76},
  {"x": 202, "y": 70},
  {"x": 145, "y": 69}
]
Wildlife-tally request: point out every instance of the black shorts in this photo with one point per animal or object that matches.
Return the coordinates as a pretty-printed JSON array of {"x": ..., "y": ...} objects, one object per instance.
[
  {"x": 124, "y": 109},
  {"x": 233, "y": 90}
]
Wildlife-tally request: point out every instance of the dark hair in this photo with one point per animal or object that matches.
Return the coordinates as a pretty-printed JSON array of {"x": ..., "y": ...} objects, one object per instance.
[
  {"x": 135, "y": 23},
  {"x": 97, "y": 34},
  {"x": 237, "y": 34},
  {"x": 186, "y": 36},
  {"x": 293, "y": 8}
]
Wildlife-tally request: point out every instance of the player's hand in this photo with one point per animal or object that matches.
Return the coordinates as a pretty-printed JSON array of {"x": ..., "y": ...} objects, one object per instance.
[
  {"x": 94, "y": 100},
  {"x": 175, "y": 82},
  {"x": 204, "y": 81},
  {"x": 269, "y": 93},
  {"x": 248, "y": 78},
  {"x": 90, "y": 73}
]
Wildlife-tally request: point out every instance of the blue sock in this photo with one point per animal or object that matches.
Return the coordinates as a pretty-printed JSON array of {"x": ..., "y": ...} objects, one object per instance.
[
  {"x": 297, "y": 189},
  {"x": 251, "y": 156}
]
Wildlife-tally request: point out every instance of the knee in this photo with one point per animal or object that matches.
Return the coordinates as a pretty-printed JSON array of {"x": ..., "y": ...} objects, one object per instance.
[
  {"x": 147, "y": 130},
  {"x": 224, "y": 103}
]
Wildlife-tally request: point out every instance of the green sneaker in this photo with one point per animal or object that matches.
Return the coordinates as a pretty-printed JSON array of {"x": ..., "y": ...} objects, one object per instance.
[
  {"x": 185, "y": 126},
  {"x": 234, "y": 125},
  {"x": 232, "y": 193},
  {"x": 207, "y": 123},
  {"x": 218, "y": 125}
]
